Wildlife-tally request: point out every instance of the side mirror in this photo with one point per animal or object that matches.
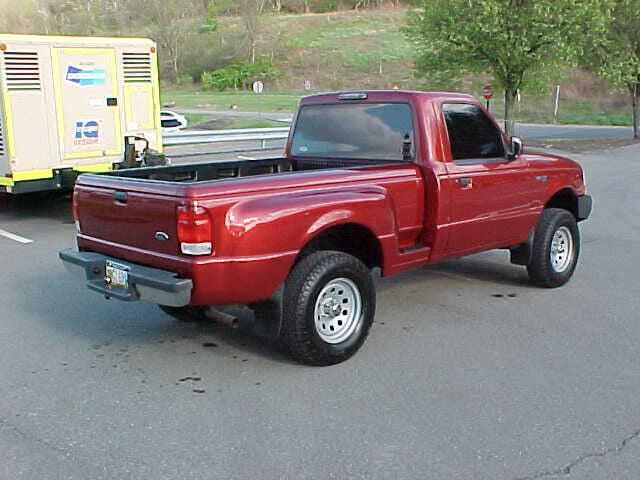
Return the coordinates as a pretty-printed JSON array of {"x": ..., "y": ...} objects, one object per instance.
[{"x": 516, "y": 148}]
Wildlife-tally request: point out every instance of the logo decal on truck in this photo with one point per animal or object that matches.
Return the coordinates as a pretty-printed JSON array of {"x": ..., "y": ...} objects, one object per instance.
[
  {"x": 87, "y": 133},
  {"x": 93, "y": 76}
]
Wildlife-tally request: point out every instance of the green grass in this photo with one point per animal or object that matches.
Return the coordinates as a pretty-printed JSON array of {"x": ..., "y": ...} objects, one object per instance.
[
  {"x": 534, "y": 109},
  {"x": 357, "y": 42},
  {"x": 192, "y": 97},
  {"x": 210, "y": 122},
  {"x": 539, "y": 109},
  {"x": 256, "y": 123},
  {"x": 342, "y": 50}
]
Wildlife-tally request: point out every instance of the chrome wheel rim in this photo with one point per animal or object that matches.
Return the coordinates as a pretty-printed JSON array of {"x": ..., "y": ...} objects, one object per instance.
[
  {"x": 337, "y": 310},
  {"x": 561, "y": 252}
]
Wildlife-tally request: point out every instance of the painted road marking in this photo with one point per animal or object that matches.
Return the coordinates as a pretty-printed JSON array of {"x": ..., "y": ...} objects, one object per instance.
[
  {"x": 17, "y": 238},
  {"x": 243, "y": 157}
]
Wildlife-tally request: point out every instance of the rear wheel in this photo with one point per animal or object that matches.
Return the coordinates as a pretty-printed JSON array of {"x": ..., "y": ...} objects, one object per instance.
[
  {"x": 328, "y": 308},
  {"x": 556, "y": 248}
]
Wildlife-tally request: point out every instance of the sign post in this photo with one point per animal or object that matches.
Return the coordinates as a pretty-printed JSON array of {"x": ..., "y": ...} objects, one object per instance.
[
  {"x": 556, "y": 104},
  {"x": 487, "y": 93}
]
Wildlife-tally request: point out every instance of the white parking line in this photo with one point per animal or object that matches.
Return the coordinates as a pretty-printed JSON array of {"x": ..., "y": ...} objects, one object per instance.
[{"x": 11, "y": 236}]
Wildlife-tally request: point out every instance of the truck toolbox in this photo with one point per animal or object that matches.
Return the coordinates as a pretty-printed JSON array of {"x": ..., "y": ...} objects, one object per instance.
[{"x": 135, "y": 282}]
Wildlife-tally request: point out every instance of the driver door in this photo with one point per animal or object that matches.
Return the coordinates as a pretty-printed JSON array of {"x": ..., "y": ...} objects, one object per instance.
[{"x": 491, "y": 198}]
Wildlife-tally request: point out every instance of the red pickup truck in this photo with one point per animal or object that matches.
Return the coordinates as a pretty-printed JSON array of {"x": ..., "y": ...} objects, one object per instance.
[{"x": 375, "y": 179}]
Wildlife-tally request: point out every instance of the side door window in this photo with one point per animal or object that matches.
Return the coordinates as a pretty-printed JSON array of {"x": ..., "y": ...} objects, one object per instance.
[{"x": 472, "y": 136}]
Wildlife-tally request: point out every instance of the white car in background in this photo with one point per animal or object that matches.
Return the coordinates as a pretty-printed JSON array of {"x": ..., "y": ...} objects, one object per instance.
[{"x": 172, "y": 121}]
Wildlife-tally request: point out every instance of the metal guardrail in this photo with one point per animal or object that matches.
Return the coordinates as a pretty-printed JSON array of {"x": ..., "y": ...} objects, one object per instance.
[{"x": 197, "y": 137}]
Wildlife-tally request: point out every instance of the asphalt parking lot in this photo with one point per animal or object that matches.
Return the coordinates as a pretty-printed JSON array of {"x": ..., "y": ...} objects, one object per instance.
[{"x": 469, "y": 372}]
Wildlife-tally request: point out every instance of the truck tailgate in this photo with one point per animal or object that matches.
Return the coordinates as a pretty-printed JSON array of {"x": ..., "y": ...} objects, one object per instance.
[{"x": 125, "y": 214}]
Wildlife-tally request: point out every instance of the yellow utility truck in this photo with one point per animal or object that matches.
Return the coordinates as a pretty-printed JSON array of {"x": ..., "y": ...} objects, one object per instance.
[{"x": 74, "y": 104}]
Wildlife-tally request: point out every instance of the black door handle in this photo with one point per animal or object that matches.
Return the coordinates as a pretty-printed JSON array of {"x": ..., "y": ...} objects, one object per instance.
[{"x": 464, "y": 181}]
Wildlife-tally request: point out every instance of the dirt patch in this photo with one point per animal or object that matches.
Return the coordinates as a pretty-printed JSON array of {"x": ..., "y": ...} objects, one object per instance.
[{"x": 219, "y": 123}]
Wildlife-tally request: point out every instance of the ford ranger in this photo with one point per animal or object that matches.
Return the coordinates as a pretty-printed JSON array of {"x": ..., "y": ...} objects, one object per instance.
[{"x": 374, "y": 179}]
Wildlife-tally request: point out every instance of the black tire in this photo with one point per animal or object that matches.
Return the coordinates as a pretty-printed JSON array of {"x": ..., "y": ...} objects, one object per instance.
[
  {"x": 541, "y": 269},
  {"x": 302, "y": 288},
  {"x": 184, "y": 314}
]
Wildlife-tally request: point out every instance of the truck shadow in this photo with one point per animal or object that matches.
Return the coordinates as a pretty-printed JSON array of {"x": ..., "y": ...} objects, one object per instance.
[
  {"x": 252, "y": 336},
  {"x": 117, "y": 329},
  {"x": 54, "y": 206},
  {"x": 489, "y": 267}
]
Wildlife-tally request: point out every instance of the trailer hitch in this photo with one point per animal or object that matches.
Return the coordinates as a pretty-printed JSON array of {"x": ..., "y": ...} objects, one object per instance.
[{"x": 145, "y": 157}]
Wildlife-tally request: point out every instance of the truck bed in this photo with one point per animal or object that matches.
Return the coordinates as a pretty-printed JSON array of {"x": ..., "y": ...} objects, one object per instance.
[{"x": 218, "y": 170}]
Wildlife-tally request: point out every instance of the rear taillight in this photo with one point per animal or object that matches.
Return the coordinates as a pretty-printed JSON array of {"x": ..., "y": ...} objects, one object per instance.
[
  {"x": 194, "y": 230},
  {"x": 74, "y": 210}
]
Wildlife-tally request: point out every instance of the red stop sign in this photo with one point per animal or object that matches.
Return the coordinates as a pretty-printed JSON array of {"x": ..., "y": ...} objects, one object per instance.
[{"x": 487, "y": 92}]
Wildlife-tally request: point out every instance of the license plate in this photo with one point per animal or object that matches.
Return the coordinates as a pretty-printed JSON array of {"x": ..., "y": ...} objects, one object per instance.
[{"x": 116, "y": 275}]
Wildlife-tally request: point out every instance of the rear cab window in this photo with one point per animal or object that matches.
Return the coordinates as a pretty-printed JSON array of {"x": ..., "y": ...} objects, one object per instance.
[
  {"x": 372, "y": 131},
  {"x": 472, "y": 135}
]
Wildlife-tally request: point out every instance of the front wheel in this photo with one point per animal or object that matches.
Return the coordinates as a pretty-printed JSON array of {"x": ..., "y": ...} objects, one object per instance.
[
  {"x": 328, "y": 308},
  {"x": 556, "y": 248}
]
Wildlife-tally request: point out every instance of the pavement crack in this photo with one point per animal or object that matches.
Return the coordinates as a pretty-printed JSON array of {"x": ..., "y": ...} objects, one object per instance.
[{"x": 566, "y": 469}]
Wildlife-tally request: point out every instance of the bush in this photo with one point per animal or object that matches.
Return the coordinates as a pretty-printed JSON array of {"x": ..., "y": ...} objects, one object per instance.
[
  {"x": 239, "y": 75},
  {"x": 222, "y": 79}
]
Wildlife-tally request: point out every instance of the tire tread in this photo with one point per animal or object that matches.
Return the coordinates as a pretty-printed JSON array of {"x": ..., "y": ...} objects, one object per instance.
[{"x": 540, "y": 271}]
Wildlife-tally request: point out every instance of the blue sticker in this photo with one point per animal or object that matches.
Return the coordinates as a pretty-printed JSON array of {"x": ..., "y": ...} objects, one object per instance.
[
  {"x": 94, "y": 76},
  {"x": 87, "y": 133}
]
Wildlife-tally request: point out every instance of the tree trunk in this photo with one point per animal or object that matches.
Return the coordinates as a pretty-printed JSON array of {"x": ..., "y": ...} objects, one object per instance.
[
  {"x": 636, "y": 110},
  {"x": 176, "y": 72},
  {"x": 509, "y": 110}
]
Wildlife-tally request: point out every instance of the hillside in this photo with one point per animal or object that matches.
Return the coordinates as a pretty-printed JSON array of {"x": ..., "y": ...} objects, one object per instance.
[
  {"x": 366, "y": 49},
  {"x": 339, "y": 49}
]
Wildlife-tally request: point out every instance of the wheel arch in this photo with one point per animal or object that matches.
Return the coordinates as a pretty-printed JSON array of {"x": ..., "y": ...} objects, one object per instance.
[
  {"x": 350, "y": 237},
  {"x": 565, "y": 199}
]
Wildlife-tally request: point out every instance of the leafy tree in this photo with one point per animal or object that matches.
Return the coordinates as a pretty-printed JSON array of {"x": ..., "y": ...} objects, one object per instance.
[
  {"x": 616, "y": 54},
  {"x": 19, "y": 17},
  {"x": 515, "y": 40},
  {"x": 170, "y": 26},
  {"x": 250, "y": 12}
]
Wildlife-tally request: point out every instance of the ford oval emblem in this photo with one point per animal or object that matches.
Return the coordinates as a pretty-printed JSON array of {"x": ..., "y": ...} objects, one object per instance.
[{"x": 161, "y": 236}]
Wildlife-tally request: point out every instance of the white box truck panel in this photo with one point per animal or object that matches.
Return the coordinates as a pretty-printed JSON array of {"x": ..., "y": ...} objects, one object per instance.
[
  {"x": 68, "y": 103},
  {"x": 26, "y": 109},
  {"x": 86, "y": 86}
]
